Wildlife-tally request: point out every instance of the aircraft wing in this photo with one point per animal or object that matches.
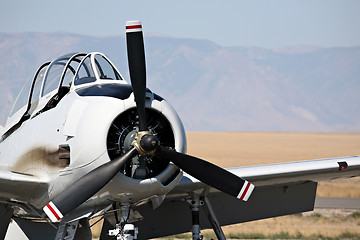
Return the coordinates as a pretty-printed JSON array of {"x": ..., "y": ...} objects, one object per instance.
[
  {"x": 280, "y": 189},
  {"x": 19, "y": 186}
]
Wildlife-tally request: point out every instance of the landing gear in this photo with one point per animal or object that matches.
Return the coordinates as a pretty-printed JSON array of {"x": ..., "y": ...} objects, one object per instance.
[
  {"x": 128, "y": 232},
  {"x": 76, "y": 230},
  {"x": 195, "y": 202},
  {"x": 199, "y": 205},
  {"x": 123, "y": 230},
  {"x": 213, "y": 220}
]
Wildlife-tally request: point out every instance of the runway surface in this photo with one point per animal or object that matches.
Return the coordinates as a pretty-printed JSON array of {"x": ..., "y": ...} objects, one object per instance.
[{"x": 337, "y": 203}]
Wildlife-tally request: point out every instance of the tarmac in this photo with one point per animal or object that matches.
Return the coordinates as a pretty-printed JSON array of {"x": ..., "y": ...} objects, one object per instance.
[{"x": 337, "y": 203}]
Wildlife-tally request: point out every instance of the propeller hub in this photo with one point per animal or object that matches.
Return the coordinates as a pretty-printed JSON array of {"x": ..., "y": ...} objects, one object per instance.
[
  {"x": 145, "y": 142},
  {"x": 149, "y": 142}
]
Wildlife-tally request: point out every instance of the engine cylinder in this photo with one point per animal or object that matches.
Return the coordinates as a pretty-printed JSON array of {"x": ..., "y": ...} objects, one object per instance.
[{"x": 122, "y": 132}]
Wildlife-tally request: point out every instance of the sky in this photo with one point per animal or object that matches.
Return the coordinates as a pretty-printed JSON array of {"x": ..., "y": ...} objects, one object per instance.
[{"x": 265, "y": 23}]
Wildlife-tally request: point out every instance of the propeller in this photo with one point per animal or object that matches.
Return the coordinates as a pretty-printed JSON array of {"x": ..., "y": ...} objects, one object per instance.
[
  {"x": 209, "y": 173},
  {"x": 137, "y": 68},
  {"x": 86, "y": 186},
  {"x": 145, "y": 143}
]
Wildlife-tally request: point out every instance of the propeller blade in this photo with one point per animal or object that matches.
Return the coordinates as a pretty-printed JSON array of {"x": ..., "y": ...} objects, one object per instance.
[
  {"x": 137, "y": 68},
  {"x": 86, "y": 187},
  {"x": 209, "y": 174}
]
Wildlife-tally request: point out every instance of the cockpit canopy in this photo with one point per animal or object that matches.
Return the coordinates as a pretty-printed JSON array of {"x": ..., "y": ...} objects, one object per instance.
[
  {"x": 102, "y": 69},
  {"x": 72, "y": 70}
]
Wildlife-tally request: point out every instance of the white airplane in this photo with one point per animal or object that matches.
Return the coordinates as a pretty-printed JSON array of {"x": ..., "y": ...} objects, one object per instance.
[{"x": 82, "y": 143}]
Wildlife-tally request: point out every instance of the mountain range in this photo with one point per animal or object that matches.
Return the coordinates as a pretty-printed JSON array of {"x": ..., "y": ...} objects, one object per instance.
[{"x": 212, "y": 87}]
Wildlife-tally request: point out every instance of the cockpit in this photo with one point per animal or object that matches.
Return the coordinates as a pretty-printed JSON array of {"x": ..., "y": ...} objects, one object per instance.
[{"x": 53, "y": 80}]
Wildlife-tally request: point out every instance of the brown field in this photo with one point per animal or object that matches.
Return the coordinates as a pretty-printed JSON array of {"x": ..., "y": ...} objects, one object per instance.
[
  {"x": 326, "y": 223},
  {"x": 233, "y": 149}
]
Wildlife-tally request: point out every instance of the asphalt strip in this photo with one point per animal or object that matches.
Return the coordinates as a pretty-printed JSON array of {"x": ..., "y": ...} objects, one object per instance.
[{"x": 337, "y": 203}]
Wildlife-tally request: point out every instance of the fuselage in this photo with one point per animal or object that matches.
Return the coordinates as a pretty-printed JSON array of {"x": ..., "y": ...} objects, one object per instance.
[{"x": 89, "y": 126}]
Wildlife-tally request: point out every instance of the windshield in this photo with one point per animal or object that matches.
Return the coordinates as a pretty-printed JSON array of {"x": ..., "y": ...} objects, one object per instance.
[
  {"x": 37, "y": 86},
  {"x": 104, "y": 69},
  {"x": 22, "y": 98},
  {"x": 54, "y": 73},
  {"x": 85, "y": 73},
  {"x": 61, "y": 71},
  {"x": 101, "y": 68},
  {"x": 53, "y": 77}
]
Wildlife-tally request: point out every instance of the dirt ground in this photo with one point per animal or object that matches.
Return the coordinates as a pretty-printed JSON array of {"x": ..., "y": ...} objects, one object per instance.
[{"x": 233, "y": 149}]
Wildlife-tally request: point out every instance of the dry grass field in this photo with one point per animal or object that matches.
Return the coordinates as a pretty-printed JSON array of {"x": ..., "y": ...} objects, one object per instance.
[{"x": 233, "y": 149}]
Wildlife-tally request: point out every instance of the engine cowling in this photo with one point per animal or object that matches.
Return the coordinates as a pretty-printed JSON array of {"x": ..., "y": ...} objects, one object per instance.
[
  {"x": 122, "y": 133},
  {"x": 145, "y": 176}
]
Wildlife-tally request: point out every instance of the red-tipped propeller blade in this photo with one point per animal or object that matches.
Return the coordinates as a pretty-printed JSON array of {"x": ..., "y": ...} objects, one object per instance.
[
  {"x": 209, "y": 174},
  {"x": 86, "y": 187},
  {"x": 137, "y": 68}
]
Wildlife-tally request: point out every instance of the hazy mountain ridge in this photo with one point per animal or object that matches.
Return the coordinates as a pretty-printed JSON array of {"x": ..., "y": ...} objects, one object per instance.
[{"x": 214, "y": 88}]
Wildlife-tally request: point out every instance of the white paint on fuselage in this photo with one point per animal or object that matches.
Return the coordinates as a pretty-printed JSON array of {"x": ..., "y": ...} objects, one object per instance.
[{"x": 82, "y": 123}]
